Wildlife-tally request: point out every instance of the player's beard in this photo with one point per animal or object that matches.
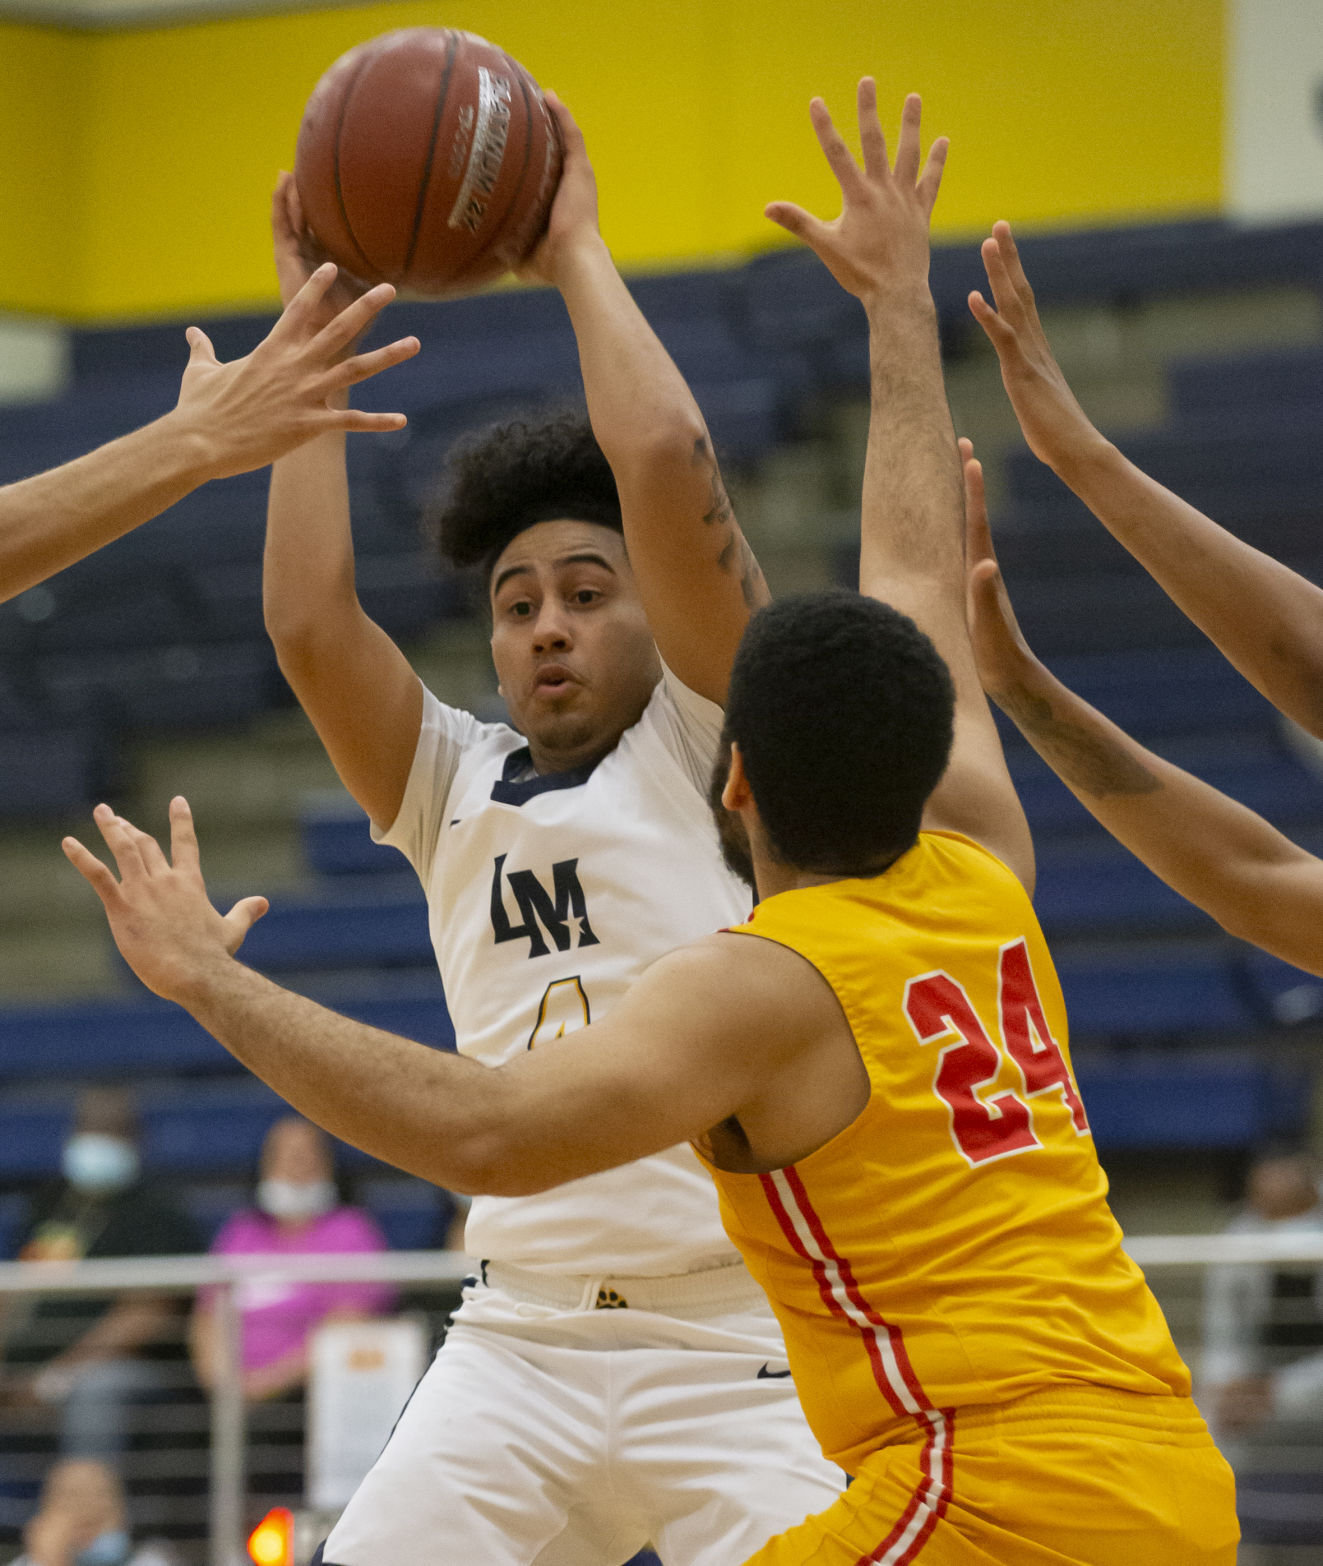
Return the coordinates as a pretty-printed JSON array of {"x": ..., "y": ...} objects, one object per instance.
[{"x": 731, "y": 833}]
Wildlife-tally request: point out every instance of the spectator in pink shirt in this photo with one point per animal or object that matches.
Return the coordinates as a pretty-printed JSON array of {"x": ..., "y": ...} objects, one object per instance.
[{"x": 298, "y": 1212}]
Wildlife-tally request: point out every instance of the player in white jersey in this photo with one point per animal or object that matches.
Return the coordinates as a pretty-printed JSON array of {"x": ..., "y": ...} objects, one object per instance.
[{"x": 613, "y": 1376}]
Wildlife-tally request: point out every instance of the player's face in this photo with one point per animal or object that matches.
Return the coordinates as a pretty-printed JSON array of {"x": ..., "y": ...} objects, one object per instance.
[{"x": 572, "y": 648}]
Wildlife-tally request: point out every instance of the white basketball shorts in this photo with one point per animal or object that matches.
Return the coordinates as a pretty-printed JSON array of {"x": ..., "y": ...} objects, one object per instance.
[{"x": 570, "y": 1422}]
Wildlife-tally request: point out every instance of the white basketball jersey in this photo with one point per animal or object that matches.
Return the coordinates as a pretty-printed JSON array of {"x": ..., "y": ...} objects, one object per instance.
[{"x": 548, "y": 896}]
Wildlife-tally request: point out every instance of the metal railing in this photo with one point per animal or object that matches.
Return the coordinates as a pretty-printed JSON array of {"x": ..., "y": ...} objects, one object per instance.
[
  {"x": 224, "y": 1275},
  {"x": 1160, "y": 1255}
]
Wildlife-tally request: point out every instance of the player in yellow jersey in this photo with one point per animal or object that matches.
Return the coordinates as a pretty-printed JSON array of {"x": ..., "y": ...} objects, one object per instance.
[{"x": 874, "y": 1068}]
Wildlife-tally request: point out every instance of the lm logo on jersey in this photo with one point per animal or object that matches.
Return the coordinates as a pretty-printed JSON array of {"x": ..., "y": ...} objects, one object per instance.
[{"x": 558, "y": 913}]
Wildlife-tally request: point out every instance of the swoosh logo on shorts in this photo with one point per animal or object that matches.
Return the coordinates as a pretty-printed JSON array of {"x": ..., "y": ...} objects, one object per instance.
[{"x": 771, "y": 1375}]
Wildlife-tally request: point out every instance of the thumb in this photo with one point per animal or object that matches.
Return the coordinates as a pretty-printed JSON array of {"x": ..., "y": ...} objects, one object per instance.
[
  {"x": 200, "y": 350},
  {"x": 785, "y": 214},
  {"x": 240, "y": 919}
]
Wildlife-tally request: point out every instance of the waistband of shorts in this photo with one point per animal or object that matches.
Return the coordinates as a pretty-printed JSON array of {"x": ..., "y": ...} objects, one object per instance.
[
  {"x": 715, "y": 1288},
  {"x": 1074, "y": 1409}
]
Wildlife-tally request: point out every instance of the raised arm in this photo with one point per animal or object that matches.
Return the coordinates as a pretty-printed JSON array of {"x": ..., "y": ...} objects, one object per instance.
[
  {"x": 911, "y": 551},
  {"x": 230, "y": 418},
  {"x": 1233, "y": 592},
  {"x": 695, "y": 570},
  {"x": 354, "y": 683},
  {"x": 1228, "y": 861},
  {"x": 692, "y": 1042}
]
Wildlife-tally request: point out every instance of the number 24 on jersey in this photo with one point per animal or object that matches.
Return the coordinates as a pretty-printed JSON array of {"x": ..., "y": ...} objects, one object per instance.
[{"x": 940, "y": 1011}]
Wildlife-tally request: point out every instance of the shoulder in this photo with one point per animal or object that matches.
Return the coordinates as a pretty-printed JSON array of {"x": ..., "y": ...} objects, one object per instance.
[
  {"x": 744, "y": 985},
  {"x": 241, "y": 1234}
]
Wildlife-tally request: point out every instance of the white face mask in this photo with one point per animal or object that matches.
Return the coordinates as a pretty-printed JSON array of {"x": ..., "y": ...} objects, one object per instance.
[
  {"x": 294, "y": 1199},
  {"x": 93, "y": 1161}
]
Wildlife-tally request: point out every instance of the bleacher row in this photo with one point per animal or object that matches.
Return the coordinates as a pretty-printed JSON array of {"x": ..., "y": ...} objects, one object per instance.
[{"x": 163, "y": 630}]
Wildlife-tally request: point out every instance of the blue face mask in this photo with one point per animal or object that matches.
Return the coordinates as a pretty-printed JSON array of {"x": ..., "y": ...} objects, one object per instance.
[
  {"x": 93, "y": 1161},
  {"x": 107, "y": 1549}
]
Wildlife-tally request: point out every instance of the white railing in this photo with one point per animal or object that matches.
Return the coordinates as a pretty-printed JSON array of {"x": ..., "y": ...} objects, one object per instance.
[{"x": 186, "y": 1274}]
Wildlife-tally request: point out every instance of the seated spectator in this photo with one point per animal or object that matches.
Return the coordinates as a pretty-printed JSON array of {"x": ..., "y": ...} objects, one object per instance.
[
  {"x": 298, "y": 1212},
  {"x": 92, "y": 1356},
  {"x": 1263, "y": 1324},
  {"x": 81, "y": 1521}
]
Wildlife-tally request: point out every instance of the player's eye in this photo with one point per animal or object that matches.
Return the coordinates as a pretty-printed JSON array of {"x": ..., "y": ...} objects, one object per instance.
[
  {"x": 586, "y": 595},
  {"x": 520, "y": 609}
]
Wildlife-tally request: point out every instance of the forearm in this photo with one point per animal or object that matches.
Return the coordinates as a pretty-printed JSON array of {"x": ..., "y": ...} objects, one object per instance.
[
  {"x": 426, "y": 1111},
  {"x": 640, "y": 407},
  {"x": 49, "y": 521},
  {"x": 130, "y": 1324},
  {"x": 912, "y": 496},
  {"x": 308, "y": 588},
  {"x": 1265, "y": 618},
  {"x": 1214, "y": 851}
]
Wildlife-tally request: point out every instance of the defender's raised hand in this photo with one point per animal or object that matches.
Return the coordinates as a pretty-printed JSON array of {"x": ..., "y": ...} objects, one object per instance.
[
  {"x": 1058, "y": 430},
  {"x": 880, "y": 240},
  {"x": 246, "y": 413},
  {"x": 1000, "y": 650},
  {"x": 159, "y": 912}
]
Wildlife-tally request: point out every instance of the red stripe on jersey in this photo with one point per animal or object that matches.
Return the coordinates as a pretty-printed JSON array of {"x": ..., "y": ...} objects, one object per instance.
[
  {"x": 930, "y": 1498},
  {"x": 894, "y": 1334}
]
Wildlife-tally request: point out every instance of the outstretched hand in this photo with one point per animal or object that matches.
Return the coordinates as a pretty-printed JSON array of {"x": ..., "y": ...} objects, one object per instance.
[
  {"x": 1057, "y": 428},
  {"x": 1000, "y": 650},
  {"x": 880, "y": 240},
  {"x": 159, "y": 912},
  {"x": 247, "y": 412}
]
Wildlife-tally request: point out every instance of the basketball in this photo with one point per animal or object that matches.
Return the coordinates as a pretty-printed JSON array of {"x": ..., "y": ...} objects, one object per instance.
[{"x": 427, "y": 158}]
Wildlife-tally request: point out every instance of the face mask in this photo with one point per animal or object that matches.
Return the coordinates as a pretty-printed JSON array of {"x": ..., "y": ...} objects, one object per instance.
[
  {"x": 107, "y": 1549},
  {"x": 93, "y": 1161},
  {"x": 296, "y": 1199}
]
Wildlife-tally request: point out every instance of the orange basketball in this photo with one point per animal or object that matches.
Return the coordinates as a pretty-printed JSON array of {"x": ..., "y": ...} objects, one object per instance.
[{"x": 428, "y": 159}]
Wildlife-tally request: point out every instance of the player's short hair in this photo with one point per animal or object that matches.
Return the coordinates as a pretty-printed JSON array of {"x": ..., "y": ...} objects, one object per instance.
[
  {"x": 510, "y": 476},
  {"x": 843, "y": 711}
]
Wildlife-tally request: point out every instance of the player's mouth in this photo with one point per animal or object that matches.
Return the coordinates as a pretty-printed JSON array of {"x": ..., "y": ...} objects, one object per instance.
[{"x": 553, "y": 679}]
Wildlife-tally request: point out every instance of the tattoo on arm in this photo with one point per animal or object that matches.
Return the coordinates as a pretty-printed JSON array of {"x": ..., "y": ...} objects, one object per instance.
[
  {"x": 1093, "y": 763},
  {"x": 736, "y": 554},
  {"x": 720, "y": 511}
]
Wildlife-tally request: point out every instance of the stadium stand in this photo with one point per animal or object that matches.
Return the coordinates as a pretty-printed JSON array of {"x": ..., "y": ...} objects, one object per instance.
[{"x": 1184, "y": 1041}]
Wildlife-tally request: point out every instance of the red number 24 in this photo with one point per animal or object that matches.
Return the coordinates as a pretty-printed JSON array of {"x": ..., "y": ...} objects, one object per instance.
[{"x": 987, "y": 1128}]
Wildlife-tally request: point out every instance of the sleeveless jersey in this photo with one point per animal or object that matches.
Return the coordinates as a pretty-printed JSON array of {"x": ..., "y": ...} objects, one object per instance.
[
  {"x": 953, "y": 1244},
  {"x": 548, "y": 897}
]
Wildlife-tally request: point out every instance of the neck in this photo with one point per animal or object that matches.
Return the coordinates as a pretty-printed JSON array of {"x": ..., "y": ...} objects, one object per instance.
[{"x": 772, "y": 876}]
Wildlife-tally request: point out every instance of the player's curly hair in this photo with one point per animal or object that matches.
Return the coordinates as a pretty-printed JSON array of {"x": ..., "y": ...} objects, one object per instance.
[
  {"x": 843, "y": 711},
  {"x": 509, "y": 476}
]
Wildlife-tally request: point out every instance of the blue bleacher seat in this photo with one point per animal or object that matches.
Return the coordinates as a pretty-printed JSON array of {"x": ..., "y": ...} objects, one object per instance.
[
  {"x": 1151, "y": 990},
  {"x": 180, "y": 687},
  {"x": 141, "y": 1036},
  {"x": 1186, "y": 1098},
  {"x": 337, "y": 839},
  {"x": 52, "y": 771},
  {"x": 382, "y": 924}
]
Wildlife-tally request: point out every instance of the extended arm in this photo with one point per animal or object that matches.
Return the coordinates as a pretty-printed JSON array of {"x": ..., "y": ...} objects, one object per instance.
[
  {"x": 695, "y": 570},
  {"x": 355, "y": 684},
  {"x": 1265, "y": 618},
  {"x": 1228, "y": 861},
  {"x": 230, "y": 418},
  {"x": 685, "y": 1049},
  {"x": 911, "y": 552}
]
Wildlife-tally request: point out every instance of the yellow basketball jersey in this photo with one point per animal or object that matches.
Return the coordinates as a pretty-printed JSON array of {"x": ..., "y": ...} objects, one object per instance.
[{"x": 953, "y": 1245}]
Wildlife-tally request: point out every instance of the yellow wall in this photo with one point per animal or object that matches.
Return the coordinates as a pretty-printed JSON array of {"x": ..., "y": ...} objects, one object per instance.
[{"x": 135, "y": 166}]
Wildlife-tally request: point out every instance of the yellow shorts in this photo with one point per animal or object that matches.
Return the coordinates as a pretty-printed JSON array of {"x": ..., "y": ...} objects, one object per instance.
[{"x": 1080, "y": 1477}]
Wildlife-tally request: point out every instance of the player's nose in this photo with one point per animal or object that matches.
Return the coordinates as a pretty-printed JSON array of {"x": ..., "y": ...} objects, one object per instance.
[{"x": 551, "y": 628}]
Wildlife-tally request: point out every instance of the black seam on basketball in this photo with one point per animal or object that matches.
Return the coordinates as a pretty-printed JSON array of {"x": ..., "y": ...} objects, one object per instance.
[
  {"x": 452, "y": 49},
  {"x": 513, "y": 204},
  {"x": 348, "y": 93}
]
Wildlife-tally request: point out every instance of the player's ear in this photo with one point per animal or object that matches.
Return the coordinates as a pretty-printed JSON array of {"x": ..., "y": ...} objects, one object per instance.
[{"x": 736, "y": 794}]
